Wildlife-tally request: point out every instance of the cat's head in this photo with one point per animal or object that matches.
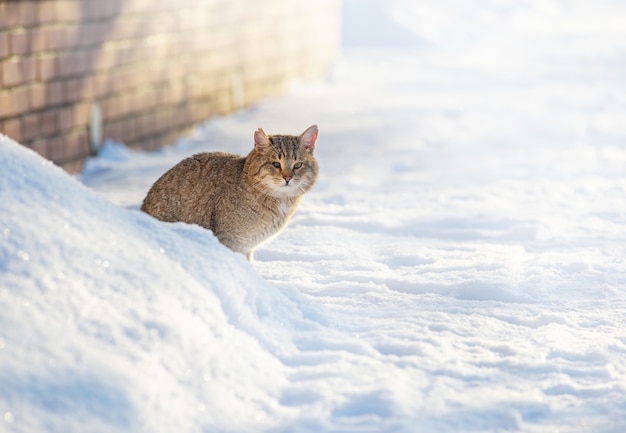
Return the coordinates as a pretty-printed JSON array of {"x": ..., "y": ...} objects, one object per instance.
[{"x": 284, "y": 165}]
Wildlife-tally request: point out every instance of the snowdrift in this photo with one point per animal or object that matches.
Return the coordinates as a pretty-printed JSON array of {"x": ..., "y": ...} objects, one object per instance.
[{"x": 113, "y": 321}]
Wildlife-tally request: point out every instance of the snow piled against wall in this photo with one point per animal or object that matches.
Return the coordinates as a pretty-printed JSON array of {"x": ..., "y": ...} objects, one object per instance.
[{"x": 112, "y": 321}]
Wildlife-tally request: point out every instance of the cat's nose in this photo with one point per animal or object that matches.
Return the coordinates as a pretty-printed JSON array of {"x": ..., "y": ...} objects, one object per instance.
[{"x": 287, "y": 179}]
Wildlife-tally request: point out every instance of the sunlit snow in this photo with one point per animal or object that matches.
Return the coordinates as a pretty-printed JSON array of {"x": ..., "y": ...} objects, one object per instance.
[{"x": 460, "y": 265}]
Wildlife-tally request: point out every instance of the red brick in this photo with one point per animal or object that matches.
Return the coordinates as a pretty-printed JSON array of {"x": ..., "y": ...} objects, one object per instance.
[
  {"x": 73, "y": 166},
  {"x": 58, "y": 148},
  {"x": 93, "y": 33},
  {"x": 80, "y": 88},
  {"x": 37, "y": 40},
  {"x": 72, "y": 89},
  {"x": 5, "y": 100},
  {"x": 54, "y": 93},
  {"x": 37, "y": 96},
  {"x": 137, "y": 131},
  {"x": 65, "y": 119},
  {"x": 19, "y": 42},
  {"x": 102, "y": 84},
  {"x": 13, "y": 129},
  {"x": 113, "y": 130},
  {"x": 13, "y": 102},
  {"x": 30, "y": 68},
  {"x": 96, "y": 9},
  {"x": 54, "y": 149},
  {"x": 87, "y": 88},
  {"x": 120, "y": 80},
  {"x": 114, "y": 7},
  {"x": 76, "y": 146},
  {"x": 146, "y": 6},
  {"x": 110, "y": 108},
  {"x": 4, "y": 44},
  {"x": 124, "y": 102},
  {"x": 57, "y": 38},
  {"x": 124, "y": 107},
  {"x": 140, "y": 102},
  {"x": 31, "y": 126},
  {"x": 108, "y": 58},
  {"x": 68, "y": 10},
  {"x": 140, "y": 125},
  {"x": 143, "y": 124},
  {"x": 126, "y": 29},
  {"x": 88, "y": 61},
  {"x": 136, "y": 54},
  {"x": 128, "y": 130},
  {"x": 80, "y": 114},
  {"x": 145, "y": 99},
  {"x": 46, "y": 11},
  {"x": 10, "y": 13},
  {"x": 28, "y": 13},
  {"x": 92, "y": 9},
  {"x": 12, "y": 72},
  {"x": 47, "y": 67},
  {"x": 48, "y": 123},
  {"x": 163, "y": 121},
  {"x": 73, "y": 63}
]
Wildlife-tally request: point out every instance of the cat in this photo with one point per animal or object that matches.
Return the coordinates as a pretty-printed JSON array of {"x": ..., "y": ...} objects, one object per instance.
[{"x": 242, "y": 200}]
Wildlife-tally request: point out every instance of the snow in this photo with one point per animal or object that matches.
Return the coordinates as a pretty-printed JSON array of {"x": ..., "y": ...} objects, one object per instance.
[{"x": 459, "y": 267}]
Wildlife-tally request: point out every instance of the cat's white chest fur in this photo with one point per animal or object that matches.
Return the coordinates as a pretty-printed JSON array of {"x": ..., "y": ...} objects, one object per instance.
[{"x": 284, "y": 208}]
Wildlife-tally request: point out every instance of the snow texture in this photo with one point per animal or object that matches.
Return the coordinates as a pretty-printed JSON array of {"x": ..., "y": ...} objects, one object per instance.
[{"x": 459, "y": 267}]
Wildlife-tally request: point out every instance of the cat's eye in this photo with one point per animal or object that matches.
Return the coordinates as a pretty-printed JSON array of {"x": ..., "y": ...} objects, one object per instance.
[
  {"x": 297, "y": 165},
  {"x": 276, "y": 164}
]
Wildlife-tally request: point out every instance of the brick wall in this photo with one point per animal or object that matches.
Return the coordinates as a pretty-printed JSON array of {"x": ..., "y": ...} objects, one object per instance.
[{"x": 155, "y": 67}]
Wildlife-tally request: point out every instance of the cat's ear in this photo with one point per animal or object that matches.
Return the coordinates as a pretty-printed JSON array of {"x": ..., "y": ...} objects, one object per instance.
[
  {"x": 261, "y": 141},
  {"x": 307, "y": 138}
]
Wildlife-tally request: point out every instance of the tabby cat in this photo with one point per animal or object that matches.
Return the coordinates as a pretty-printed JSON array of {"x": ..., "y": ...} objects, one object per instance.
[{"x": 242, "y": 200}]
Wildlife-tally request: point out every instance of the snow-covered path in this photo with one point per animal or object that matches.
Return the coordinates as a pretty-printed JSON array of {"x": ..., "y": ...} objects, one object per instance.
[{"x": 460, "y": 265}]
